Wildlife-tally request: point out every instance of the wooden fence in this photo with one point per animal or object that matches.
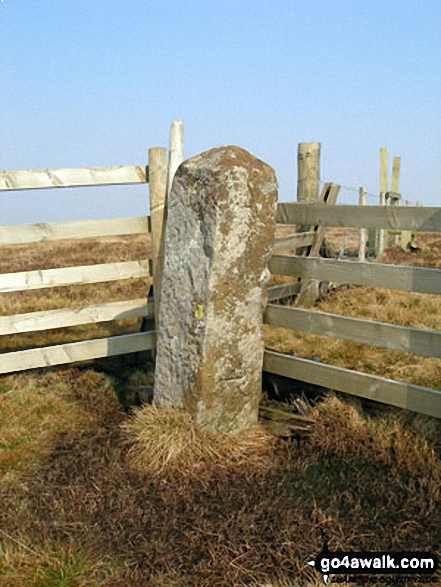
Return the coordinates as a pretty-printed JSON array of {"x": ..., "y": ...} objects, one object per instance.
[
  {"x": 159, "y": 173},
  {"x": 411, "y": 279}
]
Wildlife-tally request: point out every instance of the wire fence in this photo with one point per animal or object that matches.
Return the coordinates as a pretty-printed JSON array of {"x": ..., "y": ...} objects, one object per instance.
[{"x": 350, "y": 195}]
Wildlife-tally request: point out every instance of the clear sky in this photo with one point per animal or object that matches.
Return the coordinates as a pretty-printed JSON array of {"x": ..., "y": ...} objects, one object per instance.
[{"x": 89, "y": 83}]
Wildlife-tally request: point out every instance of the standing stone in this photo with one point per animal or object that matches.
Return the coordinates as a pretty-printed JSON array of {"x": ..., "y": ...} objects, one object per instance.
[{"x": 218, "y": 241}]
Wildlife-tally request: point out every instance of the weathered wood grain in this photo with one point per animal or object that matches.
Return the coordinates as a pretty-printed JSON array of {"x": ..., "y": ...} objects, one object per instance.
[
  {"x": 309, "y": 291},
  {"x": 75, "y": 177},
  {"x": 411, "y": 340},
  {"x": 395, "y": 393},
  {"x": 293, "y": 241},
  {"x": 158, "y": 214},
  {"x": 76, "y": 351},
  {"x": 176, "y": 151},
  {"x": 387, "y": 217},
  {"x": 278, "y": 292},
  {"x": 39, "y": 279},
  {"x": 55, "y": 231},
  {"x": 36, "y": 321},
  {"x": 402, "y": 278}
]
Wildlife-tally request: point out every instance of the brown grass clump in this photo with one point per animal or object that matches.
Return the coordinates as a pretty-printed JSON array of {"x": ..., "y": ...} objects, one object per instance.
[
  {"x": 219, "y": 513},
  {"x": 165, "y": 441},
  {"x": 48, "y": 567}
]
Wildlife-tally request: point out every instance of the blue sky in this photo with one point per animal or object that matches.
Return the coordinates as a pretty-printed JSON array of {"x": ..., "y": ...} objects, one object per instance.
[{"x": 89, "y": 83}]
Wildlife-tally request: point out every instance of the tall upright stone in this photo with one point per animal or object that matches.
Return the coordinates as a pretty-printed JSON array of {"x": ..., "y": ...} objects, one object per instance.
[{"x": 218, "y": 241}]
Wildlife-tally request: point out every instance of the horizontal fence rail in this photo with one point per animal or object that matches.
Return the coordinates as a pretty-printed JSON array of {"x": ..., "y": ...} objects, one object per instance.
[
  {"x": 411, "y": 340},
  {"x": 377, "y": 217},
  {"x": 276, "y": 292},
  {"x": 55, "y": 231},
  {"x": 63, "y": 318},
  {"x": 414, "y": 279},
  {"x": 76, "y": 351},
  {"x": 292, "y": 241},
  {"x": 396, "y": 393},
  {"x": 42, "y": 278},
  {"x": 79, "y": 177}
]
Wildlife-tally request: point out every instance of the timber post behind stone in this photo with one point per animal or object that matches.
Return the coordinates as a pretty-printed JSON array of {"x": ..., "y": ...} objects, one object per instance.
[
  {"x": 158, "y": 191},
  {"x": 218, "y": 241},
  {"x": 308, "y": 177}
]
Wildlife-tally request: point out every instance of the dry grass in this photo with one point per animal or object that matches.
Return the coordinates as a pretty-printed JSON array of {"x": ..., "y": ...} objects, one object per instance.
[
  {"x": 95, "y": 497},
  {"x": 166, "y": 442},
  {"x": 48, "y": 567},
  {"x": 70, "y": 253},
  {"x": 90, "y": 509}
]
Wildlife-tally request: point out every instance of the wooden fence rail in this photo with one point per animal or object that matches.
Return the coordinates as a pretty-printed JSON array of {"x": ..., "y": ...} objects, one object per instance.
[
  {"x": 387, "y": 217},
  {"x": 42, "y": 278},
  {"x": 412, "y": 279},
  {"x": 65, "y": 317},
  {"x": 73, "y": 352},
  {"x": 293, "y": 241},
  {"x": 415, "y": 279},
  {"x": 395, "y": 393},
  {"x": 426, "y": 343},
  {"x": 79, "y": 177},
  {"x": 55, "y": 231},
  {"x": 99, "y": 273}
]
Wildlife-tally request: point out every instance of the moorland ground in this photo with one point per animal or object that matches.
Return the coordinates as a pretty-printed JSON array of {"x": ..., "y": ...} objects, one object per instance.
[{"x": 81, "y": 508}]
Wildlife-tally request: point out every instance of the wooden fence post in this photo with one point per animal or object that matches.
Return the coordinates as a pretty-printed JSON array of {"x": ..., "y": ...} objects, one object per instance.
[
  {"x": 377, "y": 238},
  {"x": 384, "y": 165},
  {"x": 381, "y": 232},
  {"x": 158, "y": 187},
  {"x": 309, "y": 291},
  {"x": 176, "y": 152},
  {"x": 406, "y": 235},
  {"x": 308, "y": 178},
  {"x": 393, "y": 199},
  {"x": 396, "y": 174},
  {"x": 363, "y": 231}
]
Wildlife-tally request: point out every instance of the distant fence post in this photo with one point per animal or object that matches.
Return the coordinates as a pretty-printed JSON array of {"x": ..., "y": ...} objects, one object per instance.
[
  {"x": 308, "y": 178},
  {"x": 363, "y": 231},
  {"x": 396, "y": 175},
  {"x": 377, "y": 238},
  {"x": 158, "y": 188},
  {"x": 393, "y": 199},
  {"x": 381, "y": 232},
  {"x": 176, "y": 152},
  {"x": 384, "y": 167},
  {"x": 406, "y": 235}
]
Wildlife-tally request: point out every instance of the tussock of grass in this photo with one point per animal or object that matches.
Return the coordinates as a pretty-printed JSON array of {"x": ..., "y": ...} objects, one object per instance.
[
  {"x": 47, "y": 567},
  {"x": 166, "y": 441},
  {"x": 201, "y": 514}
]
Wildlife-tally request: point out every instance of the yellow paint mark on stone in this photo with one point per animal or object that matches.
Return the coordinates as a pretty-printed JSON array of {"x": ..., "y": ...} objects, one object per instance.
[{"x": 199, "y": 314}]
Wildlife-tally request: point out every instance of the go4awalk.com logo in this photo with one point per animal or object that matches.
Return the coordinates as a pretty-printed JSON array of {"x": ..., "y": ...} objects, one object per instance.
[{"x": 339, "y": 562}]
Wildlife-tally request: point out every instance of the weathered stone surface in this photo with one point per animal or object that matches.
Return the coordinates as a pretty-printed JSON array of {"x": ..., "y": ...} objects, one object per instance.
[{"x": 218, "y": 241}]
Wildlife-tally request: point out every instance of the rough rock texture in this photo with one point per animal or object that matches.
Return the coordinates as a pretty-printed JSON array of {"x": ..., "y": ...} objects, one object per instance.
[{"x": 218, "y": 241}]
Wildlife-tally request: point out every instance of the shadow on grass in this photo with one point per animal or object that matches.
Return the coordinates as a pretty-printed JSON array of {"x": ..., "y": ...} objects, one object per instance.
[{"x": 225, "y": 529}]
